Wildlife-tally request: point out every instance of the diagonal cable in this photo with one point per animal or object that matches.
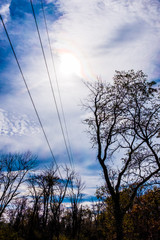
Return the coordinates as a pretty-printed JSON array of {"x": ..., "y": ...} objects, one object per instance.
[
  {"x": 56, "y": 78},
  {"x": 49, "y": 77},
  {"x": 29, "y": 93}
]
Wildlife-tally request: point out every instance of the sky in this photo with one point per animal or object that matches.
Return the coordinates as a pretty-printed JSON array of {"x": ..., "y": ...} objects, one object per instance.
[{"x": 89, "y": 39}]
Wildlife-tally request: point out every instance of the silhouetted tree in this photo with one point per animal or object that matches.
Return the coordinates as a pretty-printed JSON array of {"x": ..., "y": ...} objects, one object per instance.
[
  {"x": 123, "y": 125},
  {"x": 76, "y": 189},
  {"x": 57, "y": 197},
  {"x": 35, "y": 215},
  {"x": 13, "y": 170},
  {"x": 48, "y": 191}
]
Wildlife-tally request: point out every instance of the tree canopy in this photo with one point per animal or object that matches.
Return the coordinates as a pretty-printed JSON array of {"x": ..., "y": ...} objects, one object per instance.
[{"x": 124, "y": 125}]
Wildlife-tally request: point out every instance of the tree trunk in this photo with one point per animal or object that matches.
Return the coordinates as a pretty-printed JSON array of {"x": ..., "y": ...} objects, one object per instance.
[
  {"x": 119, "y": 228},
  {"x": 118, "y": 221}
]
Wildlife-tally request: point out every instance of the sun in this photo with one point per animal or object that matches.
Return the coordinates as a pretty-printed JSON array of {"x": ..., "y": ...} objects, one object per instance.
[{"x": 70, "y": 64}]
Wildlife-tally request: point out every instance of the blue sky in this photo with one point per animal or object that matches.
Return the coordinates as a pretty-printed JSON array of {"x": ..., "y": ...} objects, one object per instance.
[{"x": 88, "y": 39}]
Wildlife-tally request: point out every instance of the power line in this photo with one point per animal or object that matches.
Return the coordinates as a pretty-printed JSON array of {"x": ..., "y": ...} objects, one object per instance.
[
  {"x": 54, "y": 98},
  {"x": 59, "y": 94},
  {"x": 50, "y": 82},
  {"x": 29, "y": 93}
]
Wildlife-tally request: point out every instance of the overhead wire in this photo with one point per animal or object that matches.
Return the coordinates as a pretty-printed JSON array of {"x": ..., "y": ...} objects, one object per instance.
[
  {"x": 56, "y": 78},
  {"x": 50, "y": 81},
  {"x": 30, "y": 96}
]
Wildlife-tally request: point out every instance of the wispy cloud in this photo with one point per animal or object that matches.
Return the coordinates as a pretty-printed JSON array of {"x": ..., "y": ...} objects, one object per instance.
[
  {"x": 114, "y": 34},
  {"x": 104, "y": 35},
  {"x": 4, "y": 9}
]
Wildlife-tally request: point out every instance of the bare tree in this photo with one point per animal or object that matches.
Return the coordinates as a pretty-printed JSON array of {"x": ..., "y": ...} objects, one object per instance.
[
  {"x": 76, "y": 189},
  {"x": 17, "y": 212},
  {"x": 48, "y": 191},
  {"x": 123, "y": 125},
  {"x": 36, "y": 194},
  {"x": 57, "y": 198},
  {"x": 13, "y": 170},
  {"x": 41, "y": 187}
]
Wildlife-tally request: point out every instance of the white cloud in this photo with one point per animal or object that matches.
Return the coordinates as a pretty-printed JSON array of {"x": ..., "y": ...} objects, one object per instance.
[
  {"x": 97, "y": 29},
  {"x": 4, "y": 10},
  {"x": 104, "y": 36}
]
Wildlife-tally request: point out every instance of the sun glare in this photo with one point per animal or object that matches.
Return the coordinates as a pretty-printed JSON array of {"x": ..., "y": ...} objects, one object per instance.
[{"x": 70, "y": 64}]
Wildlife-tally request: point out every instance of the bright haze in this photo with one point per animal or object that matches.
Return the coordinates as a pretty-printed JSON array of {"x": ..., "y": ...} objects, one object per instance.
[{"x": 88, "y": 39}]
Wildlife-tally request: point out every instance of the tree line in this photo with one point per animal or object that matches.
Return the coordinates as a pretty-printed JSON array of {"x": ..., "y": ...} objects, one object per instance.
[
  {"x": 32, "y": 203},
  {"x": 124, "y": 126},
  {"x": 42, "y": 213}
]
